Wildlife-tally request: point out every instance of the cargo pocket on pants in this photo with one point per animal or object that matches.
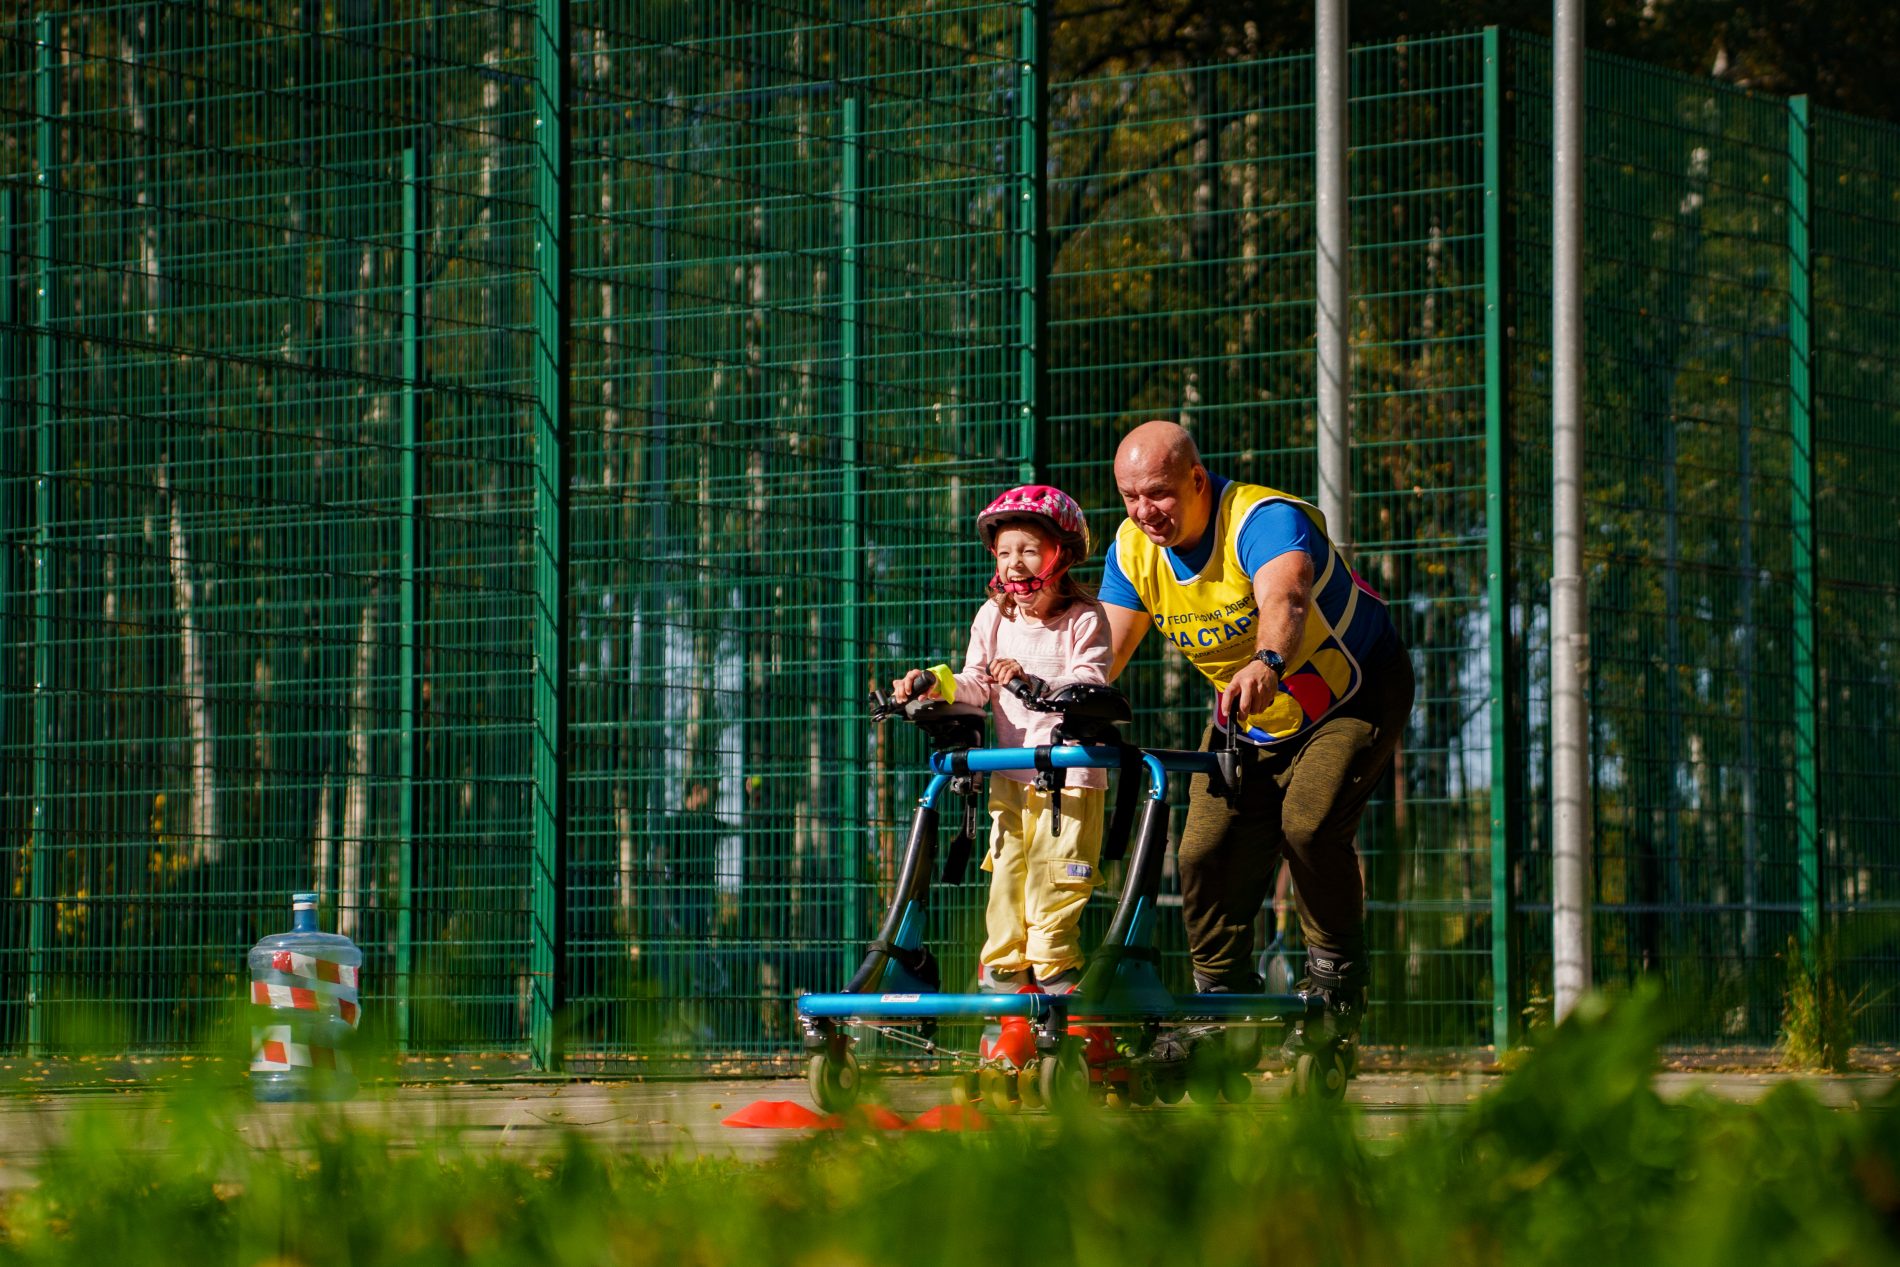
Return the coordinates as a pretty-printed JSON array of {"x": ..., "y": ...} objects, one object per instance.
[{"x": 1070, "y": 874}]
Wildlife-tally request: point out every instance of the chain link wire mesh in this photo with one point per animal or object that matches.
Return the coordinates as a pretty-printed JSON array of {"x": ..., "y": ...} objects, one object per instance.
[{"x": 282, "y": 557}]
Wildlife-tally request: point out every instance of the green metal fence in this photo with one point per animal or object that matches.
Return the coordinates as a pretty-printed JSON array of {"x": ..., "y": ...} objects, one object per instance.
[{"x": 473, "y": 462}]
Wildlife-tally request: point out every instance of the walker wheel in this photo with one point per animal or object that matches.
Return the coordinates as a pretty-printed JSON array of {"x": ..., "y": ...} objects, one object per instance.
[
  {"x": 1029, "y": 1086},
  {"x": 999, "y": 1091},
  {"x": 1141, "y": 1087},
  {"x": 833, "y": 1077},
  {"x": 1319, "y": 1075},
  {"x": 1065, "y": 1077}
]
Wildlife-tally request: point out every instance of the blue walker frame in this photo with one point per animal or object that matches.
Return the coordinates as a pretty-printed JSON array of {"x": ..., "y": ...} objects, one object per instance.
[{"x": 1119, "y": 987}]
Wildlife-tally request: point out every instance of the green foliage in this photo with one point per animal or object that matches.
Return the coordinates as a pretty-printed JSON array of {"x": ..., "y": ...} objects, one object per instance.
[
  {"x": 1574, "y": 1158},
  {"x": 1817, "y": 1017}
]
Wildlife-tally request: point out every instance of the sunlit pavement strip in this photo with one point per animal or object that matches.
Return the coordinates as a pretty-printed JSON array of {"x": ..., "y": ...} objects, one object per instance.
[{"x": 683, "y": 1119}]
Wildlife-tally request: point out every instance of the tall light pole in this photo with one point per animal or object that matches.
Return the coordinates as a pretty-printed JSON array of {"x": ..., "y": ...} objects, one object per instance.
[
  {"x": 1333, "y": 267},
  {"x": 1569, "y": 620}
]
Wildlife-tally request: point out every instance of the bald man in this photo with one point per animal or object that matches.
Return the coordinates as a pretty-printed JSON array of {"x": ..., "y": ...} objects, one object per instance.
[{"x": 1244, "y": 581}]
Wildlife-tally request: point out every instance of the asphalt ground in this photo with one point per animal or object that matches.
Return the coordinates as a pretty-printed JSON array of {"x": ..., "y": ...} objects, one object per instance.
[{"x": 684, "y": 1119}]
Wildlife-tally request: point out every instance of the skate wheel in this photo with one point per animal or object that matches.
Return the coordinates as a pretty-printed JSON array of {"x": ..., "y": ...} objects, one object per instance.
[
  {"x": 1319, "y": 1075},
  {"x": 1029, "y": 1086},
  {"x": 1117, "y": 1095},
  {"x": 1169, "y": 1088},
  {"x": 1204, "y": 1075},
  {"x": 999, "y": 1091},
  {"x": 1141, "y": 1088},
  {"x": 1065, "y": 1077},
  {"x": 965, "y": 1087},
  {"x": 833, "y": 1078},
  {"x": 1236, "y": 1087}
]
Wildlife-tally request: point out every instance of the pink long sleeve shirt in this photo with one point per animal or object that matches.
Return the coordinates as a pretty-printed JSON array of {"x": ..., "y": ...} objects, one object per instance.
[{"x": 1071, "y": 647}]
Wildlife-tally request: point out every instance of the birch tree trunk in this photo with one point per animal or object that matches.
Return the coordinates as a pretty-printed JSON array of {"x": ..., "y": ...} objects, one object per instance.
[
  {"x": 349, "y": 877},
  {"x": 203, "y": 828}
]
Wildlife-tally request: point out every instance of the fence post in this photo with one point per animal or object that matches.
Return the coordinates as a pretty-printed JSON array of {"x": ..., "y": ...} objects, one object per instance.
[
  {"x": 1497, "y": 561},
  {"x": 1801, "y": 424},
  {"x": 9, "y": 318},
  {"x": 410, "y": 703},
  {"x": 43, "y": 504},
  {"x": 548, "y": 916},
  {"x": 851, "y": 631},
  {"x": 1333, "y": 267},
  {"x": 1032, "y": 167}
]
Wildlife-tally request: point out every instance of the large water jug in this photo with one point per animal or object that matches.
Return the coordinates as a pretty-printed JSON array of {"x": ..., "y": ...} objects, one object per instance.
[{"x": 305, "y": 1007}]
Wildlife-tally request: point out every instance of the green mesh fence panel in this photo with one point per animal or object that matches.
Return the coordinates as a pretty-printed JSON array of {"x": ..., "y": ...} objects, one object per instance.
[
  {"x": 1688, "y": 547},
  {"x": 1183, "y": 288},
  {"x": 795, "y": 385},
  {"x": 369, "y": 375},
  {"x": 1855, "y": 210},
  {"x": 278, "y": 551}
]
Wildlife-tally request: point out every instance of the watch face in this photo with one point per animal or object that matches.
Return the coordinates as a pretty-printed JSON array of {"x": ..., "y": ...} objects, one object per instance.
[{"x": 1271, "y": 659}]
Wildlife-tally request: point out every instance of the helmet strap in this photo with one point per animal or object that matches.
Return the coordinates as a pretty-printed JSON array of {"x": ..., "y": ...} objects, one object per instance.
[{"x": 1033, "y": 584}]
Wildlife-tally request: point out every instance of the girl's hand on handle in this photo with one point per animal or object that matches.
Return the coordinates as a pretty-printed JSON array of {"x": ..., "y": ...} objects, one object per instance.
[
  {"x": 916, "y": 682},
  {"x": 1003, "y": 671}
]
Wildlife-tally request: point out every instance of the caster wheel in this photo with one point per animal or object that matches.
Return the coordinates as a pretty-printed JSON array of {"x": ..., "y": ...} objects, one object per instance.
[
  {"x": 1065, "y": 1077},
  {"x": 833, "y": 1078},
  {"x": 965, "y": 1088},
  {"x": 999, "y": 1091},
  {"x": 1236, "y": 1087},
  {"x": 1319, "y": 1075},
  {"x": 1141, "y": 1088},
  {"x": 1029, "y": 1087}
]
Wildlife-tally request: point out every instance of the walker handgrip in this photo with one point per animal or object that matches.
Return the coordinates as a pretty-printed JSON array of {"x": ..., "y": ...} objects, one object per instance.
[{"x": 1028, "y": 688}]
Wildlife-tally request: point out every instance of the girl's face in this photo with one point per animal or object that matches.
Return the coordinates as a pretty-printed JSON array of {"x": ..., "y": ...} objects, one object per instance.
[{"x": 1021, "y": 553}]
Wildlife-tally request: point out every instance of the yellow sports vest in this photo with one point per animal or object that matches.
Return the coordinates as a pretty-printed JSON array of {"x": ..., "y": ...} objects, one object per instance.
[{"x": 1210, "y": 617}]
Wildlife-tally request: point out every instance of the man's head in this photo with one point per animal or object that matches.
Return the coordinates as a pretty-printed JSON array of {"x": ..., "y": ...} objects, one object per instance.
[{"x": 1162, "y": 483}]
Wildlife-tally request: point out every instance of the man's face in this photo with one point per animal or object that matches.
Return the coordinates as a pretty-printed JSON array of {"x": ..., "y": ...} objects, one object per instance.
[{"x": 1160, "y": 501}]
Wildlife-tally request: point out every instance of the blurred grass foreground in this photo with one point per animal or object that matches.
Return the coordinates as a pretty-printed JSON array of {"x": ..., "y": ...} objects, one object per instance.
[{"x": 1573, "y": 1158}]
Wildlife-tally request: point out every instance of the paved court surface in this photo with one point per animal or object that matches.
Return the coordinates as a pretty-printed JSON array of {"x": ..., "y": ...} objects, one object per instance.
[{"x": 683, "y": 1119}]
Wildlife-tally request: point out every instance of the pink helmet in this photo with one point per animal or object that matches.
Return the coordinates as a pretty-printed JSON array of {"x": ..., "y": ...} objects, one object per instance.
[{"x": 1053, "y": 507}]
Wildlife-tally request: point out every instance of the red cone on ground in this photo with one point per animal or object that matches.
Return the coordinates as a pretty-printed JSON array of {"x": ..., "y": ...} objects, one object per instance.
[
  {"x": 950, "y": 1117},
  {"x": 783, "y": 1115},
  {"x": 877, "y": 1117}
]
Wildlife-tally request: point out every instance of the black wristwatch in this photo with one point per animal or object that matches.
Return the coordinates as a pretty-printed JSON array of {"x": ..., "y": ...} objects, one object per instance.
[{"x": 1273, "y": 660}]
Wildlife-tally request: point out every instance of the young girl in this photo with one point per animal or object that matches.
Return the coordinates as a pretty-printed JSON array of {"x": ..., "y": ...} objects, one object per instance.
[{"x": 1039, "y": 621}]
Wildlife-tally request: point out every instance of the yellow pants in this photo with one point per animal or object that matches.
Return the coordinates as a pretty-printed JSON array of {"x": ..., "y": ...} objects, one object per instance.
[{"x": 1039, "y": 881}]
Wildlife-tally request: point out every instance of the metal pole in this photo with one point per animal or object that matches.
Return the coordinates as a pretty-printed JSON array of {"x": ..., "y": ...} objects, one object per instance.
[
  {"x": 1032, "y": 166},
  {"x": 551, "y": 352},
  {"x": 44, "y": 419},
  {"x": 1569, "y": 624},
  {"x": 410, "y": 549},
  {"x": 1807, "y": 809},
  {"x": 851, "y": 629},
  {"x": 1497, "y": 458},
  {"x": 1333, "y": 266}
]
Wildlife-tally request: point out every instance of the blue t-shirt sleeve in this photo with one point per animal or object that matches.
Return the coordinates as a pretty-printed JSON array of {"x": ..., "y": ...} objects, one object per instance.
[
  {"x": 1116, "y": 591},
  {"x": 1274, "y": 529}
]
